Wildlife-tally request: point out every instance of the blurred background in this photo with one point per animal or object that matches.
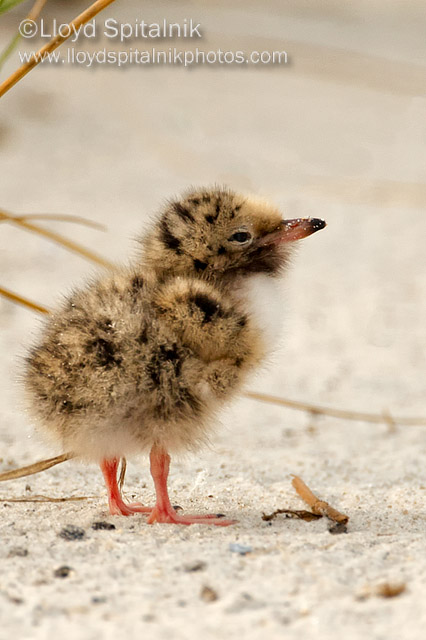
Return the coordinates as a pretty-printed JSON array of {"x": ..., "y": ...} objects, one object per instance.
[{"x": 338, "y": 132}]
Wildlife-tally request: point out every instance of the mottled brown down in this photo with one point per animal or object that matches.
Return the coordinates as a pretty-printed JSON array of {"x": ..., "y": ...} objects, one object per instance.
[{"x": 146, "y": 356}]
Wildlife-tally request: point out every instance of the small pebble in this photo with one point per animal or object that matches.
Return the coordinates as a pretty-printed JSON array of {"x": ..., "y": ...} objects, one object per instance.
[
  {"x": 337, "y": 527},
  {"x": 17, "y": 552},
  {"x": 391, "y": 590},
  {"x": 71, "y": 532},
  {"x": 105, "y": 526},
  {"x": 148, "y": 617},
  {"x": 208, "y": 594},
  {"x": 235, "y": 547},
  {"x": 196, "y": 565},
  {"x": 62, "y": 572},
  {"x": 383, "y": 590}
]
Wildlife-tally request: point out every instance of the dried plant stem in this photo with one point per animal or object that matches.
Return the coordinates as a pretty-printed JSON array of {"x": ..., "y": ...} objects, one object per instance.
[
  {"x": 33, "y": 15},
  {"x": 378, "y": 418},
  {"x": 55, "y": 217},
  {"x": 122, "y": 473},
  {"x": 47, "y": 499},
  {"x": 69, "y": 244},
  {"x": 75, "y": 24},
  {"x": 318, "y": 506},
  {"x": 14, "y": 297},
  {"x": 35, "y": 468},
  {"x": 36, "y": 9},
  {"x": 9, "y": 49},
  {"x": 308, "y": 516},
  {"x": 22, "y": 221},
  {"x": 56, "y": 237}
]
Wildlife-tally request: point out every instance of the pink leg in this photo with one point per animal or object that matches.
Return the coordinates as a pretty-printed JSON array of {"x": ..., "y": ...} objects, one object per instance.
[
  {"x": 163, "y": 510},
  {"x": 117, "y": 506}
]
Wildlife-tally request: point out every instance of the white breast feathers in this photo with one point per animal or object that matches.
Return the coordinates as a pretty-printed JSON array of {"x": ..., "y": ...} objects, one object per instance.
[{"x": 262, "y": 297}]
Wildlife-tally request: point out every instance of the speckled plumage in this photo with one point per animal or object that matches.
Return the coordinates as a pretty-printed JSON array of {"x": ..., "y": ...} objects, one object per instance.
[{"x": 143, "y": 357}]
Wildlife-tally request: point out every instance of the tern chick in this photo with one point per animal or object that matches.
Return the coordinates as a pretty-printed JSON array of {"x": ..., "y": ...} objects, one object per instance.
[{"x": 141, "y": 360}]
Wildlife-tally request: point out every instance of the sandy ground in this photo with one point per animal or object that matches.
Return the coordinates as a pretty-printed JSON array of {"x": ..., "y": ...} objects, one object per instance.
[{"x": 339, "y": 133}]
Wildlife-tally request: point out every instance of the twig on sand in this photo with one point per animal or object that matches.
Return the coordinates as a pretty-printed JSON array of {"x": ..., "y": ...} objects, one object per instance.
[
  {"x": 308, "y": 516},
  {"x": 319, "y": 507}
]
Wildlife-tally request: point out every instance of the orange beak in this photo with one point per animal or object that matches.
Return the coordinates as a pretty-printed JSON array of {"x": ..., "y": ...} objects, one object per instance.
[{"x": 291, "y": 230}]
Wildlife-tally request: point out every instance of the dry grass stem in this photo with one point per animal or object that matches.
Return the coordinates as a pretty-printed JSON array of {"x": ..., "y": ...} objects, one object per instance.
[
  {"x": 53, "y": 44},
  {"x": 36, "y": 9},
  {"x": 318, "y": 506},
  {"x": 33, "y": 15},
  {"x": 384, "y": 418},
  {"x": 14, "y": 297},
  {"x": 35, "y": 468},
  {"x": 56, "y": 237},
  {"x": 122, "y": 473},
  {"x": 22, "y": 220},
  {"x": 389, "y": 421},
  {"x": 9, "y": 49},
  {"x": 57, "y": 217},
  {"x": 47, "y": 499}
]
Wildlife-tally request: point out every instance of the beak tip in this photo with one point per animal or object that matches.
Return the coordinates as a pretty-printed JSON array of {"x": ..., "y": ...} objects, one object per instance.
[{"x": 318, "y": 223}]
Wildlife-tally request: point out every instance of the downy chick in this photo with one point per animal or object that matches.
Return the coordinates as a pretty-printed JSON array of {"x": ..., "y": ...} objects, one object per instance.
[{"x": 141, "y": 360}]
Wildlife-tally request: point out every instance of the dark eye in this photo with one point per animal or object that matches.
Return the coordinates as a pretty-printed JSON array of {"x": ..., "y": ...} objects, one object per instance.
[{"x": 240, "y": 236}]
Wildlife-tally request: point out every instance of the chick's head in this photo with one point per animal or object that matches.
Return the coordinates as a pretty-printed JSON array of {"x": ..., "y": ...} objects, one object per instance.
[{"x": 216, "y": 233}]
